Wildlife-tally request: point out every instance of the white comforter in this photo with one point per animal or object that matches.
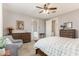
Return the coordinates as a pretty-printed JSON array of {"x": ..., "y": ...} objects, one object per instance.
[{"x": 58, "y": 46}]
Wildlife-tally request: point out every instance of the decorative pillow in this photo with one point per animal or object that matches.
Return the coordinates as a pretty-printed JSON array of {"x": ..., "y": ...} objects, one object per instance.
[{"x": 8, "y": 41}]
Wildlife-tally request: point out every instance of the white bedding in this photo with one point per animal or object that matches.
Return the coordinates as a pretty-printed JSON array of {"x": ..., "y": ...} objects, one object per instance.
[{"x": 58, "y": 46}]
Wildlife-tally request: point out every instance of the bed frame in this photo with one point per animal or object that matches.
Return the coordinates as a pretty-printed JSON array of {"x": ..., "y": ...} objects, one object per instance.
[
  {"x": 68, "y": 35},
  {"x": 38, "y": 51}
]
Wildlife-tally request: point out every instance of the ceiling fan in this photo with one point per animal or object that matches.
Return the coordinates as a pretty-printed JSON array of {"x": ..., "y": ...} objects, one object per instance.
[{"x": 46, "y": 9}]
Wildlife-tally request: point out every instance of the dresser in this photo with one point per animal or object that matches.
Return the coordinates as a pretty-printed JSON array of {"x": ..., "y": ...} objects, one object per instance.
[
  {"x": 41, "y": 35},
  {"x": 69, "y": 33},
  {"x": 26, "y": 37}
]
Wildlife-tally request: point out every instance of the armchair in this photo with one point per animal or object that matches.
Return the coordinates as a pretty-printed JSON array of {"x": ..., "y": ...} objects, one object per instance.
[{"x": 18, "y": 42}]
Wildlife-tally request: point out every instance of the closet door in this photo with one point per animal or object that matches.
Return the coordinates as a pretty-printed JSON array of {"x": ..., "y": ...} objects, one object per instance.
[
  {"x": 35, "y": 33},
  {"x": 42, "y": 26},
  {"x": 48, "y": 28},
  {"x": 34, "y": 26},
  {"x": 52, "y": 27}
]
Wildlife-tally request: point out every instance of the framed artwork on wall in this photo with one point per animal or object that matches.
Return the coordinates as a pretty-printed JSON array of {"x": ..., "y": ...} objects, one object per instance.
[
  {"x": 68, "y": 25},
  {"x": 20, "y": 25}
]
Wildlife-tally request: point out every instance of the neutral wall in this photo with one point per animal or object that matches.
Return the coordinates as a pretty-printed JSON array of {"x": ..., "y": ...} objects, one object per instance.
[
  {"x": 48, "y": 28},
  {"x": 1, "y": 32},
  {"x": 10, "y": 18},
  {"x": 69, "y": 17}
]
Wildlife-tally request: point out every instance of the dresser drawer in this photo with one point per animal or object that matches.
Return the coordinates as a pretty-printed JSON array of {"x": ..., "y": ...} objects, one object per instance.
[
  {"x": 26, "y": 37},
  {"x": 71, "y": 33}
]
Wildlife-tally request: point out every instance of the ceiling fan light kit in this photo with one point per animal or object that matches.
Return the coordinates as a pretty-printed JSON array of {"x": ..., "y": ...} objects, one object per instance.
[{"x": 46, "y": 9}]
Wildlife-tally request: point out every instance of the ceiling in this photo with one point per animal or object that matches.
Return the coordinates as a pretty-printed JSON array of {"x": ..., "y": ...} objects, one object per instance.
[{"x": 30, "y": 9}]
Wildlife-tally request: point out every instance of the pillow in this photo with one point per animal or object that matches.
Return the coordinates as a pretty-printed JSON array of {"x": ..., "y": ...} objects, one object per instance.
[{"x": 8, "y": 41}]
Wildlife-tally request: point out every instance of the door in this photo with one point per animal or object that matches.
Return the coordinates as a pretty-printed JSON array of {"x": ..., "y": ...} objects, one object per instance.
[
  {"x": 53, "y": 27},
  {"x": 48, "y": 28},
  {"x": 35, "y": 30}
]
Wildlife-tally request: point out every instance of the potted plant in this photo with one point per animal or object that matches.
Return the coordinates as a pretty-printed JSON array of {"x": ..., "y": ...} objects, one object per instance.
[{"x": 2, "y": 45}]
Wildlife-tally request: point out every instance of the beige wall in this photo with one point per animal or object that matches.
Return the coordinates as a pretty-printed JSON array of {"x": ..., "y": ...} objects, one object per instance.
[
  {"x": 1, "y": 32},
  {"x": 10, "y": 18},
  {"x": 68, "y": 17}
]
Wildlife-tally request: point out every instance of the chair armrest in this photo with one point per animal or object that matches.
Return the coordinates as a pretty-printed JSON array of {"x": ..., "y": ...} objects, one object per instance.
[{"x": 16, "y": 41}]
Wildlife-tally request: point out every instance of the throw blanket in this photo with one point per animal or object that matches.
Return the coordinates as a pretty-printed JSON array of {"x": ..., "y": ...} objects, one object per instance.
[{"x": 58, "y": 46}]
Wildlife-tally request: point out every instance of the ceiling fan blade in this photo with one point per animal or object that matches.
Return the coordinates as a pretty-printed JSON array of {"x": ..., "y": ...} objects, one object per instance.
[
  {"x": 41, "y": 11},
  {"x": 53, "y": 11},
  {"x": 52, "y": 8},
  {"x": 39, "y": 7}
]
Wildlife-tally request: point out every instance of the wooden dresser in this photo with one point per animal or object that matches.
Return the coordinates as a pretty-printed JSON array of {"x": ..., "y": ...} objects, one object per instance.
[
  {"x": 69, "y": 33},
  {"x": 41, "y": 35},
  {"x": 26, "y": 37}
]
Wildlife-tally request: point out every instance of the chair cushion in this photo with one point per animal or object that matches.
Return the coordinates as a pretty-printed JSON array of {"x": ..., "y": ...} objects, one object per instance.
[{"x": 8, "y": 41}]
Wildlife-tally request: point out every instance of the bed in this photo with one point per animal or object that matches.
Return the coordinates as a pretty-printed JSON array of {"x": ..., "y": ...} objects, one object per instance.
[{"x": 57, "y": 46}]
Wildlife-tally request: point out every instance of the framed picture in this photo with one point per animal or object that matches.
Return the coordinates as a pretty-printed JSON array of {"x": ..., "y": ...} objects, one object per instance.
[
  {"x": 68, "y": 25},
  {"x": 20, "y": 25}
]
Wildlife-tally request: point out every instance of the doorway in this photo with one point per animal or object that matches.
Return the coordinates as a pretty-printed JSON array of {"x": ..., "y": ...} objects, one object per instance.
[{"x": 53, "y": 27}]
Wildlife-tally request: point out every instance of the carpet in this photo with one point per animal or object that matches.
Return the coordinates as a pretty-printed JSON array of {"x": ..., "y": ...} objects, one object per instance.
[{"x": 27, "y": 49}]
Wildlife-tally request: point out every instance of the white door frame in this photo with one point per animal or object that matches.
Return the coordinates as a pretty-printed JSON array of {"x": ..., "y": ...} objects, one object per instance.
[{"x": 49, "y": 27}]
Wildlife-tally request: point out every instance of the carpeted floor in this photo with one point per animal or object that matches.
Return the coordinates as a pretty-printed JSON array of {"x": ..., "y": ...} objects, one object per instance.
[{"x": 27, "y": 49}]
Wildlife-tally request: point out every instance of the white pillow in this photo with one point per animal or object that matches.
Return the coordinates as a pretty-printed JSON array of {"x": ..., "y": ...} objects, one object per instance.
[{"x": 8, "y": 41}]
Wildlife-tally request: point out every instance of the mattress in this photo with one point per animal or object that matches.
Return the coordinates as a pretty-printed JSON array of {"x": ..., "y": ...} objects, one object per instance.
[{"x": 58, "y": 46}]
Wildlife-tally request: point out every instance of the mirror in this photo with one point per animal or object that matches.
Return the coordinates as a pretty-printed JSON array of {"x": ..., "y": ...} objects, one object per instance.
[{"x": 68, "y": 25}]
